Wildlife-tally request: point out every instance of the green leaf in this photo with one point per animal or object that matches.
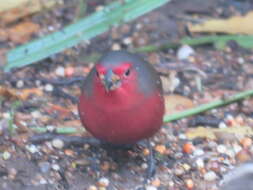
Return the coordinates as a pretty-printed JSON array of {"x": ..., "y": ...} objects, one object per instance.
[{"x": 114, "y": 14}]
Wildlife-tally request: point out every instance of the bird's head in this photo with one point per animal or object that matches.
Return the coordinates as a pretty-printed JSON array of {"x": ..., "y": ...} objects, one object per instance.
[
  {"x": 112, "y": 76},
  {"x": 121, "y": 72}
]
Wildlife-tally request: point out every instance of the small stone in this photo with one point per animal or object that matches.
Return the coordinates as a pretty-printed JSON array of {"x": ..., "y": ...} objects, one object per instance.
[
  {"x": 69, "y": 71},
  {"x": 179, "y": 171},
  {"x": 198, "y": 152},
  {"x": 127, "y": 41},
  {"x": 6, "y": 155},
  {"x": 182, "y": 136},
  {"x": 103, "y": 182},
  {"x": 20, "y": 84},
  {"x": 222, "y": 125},
  {"x": 186, "y": 167},
  {"x": 200, "y": 163},
  {"x": 43, "y": 181},
  {"x": 184, "y": 52},
  {"x": 189, "y": 184},
  {"x": 44, "y": 167},
  {"x": 116, "y": 47},
  {"x": 246, "y": 142},
  {"x": 221, "y": 149},
  {"x": 150, "y": 187},
  {"x": 38, "y": 83},
  {"x": 92, "y": 187},
  {"x": 36, "y": 114},
  {"x": 210, "y": 176},
  {"x": 144, "y": 165},
  {"x": 237, "y": 148},
  {"x": 58, "y": 143},
  {"x": 32, "y": 148},
  {"x": 188, "y": 148},
  {"x": 243, "y": 156},
  {"x": 160, "y": 148},
  {"x": 60, "y": 71},
  {"x": 55, "y": 167},
  {"x": 48, "y": 88},
  {"x": 146, "y": 152},
  {"x": 156, "y": 182},
  {"x": 12, "y": 173},
  {"x": 240, "y": 60}
]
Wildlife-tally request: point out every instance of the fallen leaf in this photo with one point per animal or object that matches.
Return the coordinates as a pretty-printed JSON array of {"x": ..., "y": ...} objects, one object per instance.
[
  {"x": 23, "y": 94},
  {"x": 176, "y": 103},
  {"x": 22, "y": 32},
  {"x": 212, "y": 133},
  {"x": 233, "y": 25},
  {"x": 16, "y": 9}
]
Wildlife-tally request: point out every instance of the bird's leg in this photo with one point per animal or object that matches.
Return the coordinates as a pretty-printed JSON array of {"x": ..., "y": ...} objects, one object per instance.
[{"x": 151, "y": 163}]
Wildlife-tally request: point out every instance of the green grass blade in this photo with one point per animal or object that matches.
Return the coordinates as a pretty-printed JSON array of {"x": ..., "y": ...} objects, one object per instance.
[{"x": 83, "y": 30}]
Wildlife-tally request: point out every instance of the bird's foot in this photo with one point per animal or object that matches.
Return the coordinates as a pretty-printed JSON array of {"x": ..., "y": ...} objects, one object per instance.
[{"x": 151, "y": 162}]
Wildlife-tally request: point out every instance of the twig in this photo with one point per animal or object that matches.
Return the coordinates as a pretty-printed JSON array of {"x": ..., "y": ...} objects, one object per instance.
[
  {"x": 59, "y": 130},
  {"x": 208, "y": 106},
  {"x": 68, "y": 140}
]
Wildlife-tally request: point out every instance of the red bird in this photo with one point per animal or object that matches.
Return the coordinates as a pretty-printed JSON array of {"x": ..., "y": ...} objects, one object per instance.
[{"x": 122, "y": 99}]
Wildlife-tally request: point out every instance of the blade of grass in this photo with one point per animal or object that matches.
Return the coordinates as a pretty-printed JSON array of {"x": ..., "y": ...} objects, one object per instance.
[
  {"x": 208, "y": 106},
  {"x": 83, "y": 30}
]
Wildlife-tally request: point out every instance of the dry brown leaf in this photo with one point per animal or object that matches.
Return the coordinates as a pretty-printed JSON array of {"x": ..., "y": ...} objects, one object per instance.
[
  {"x": 176, "y": 103},
  {"x": 233, "y": 25},
  {"x": 19, "y": 94},
  {"x": 22, "y": 32},
  {"x": 16, "y": 9},
  {"x": 214, "y": 133}
]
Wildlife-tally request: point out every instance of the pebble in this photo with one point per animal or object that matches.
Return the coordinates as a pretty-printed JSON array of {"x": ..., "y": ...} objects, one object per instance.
[
  {"x": 60, "y": 71},
  {"x": 43, "y": 181},
  {"x": 222, "y": 125},
  {"x": 55, "y": 167},
  {"x": 12, "y": 172},
  {"x": 189, "y": 184},
  {"x": 184, "y": 52},
  {"x": 44, "y": 167},
  {"x": 188, "y": 148},
  {"x": 198, "y": 152},
  {"x": 160, "y": 148},
  {"x": 48, "y": 88},
  {"x": 69, "y": 71},
  {"x": 210, "y": 176},
  {"x": 150, "y": 187},
  {"x": 127, "y": 41},
  {"x": 92, "y": 187},
  {"x": 179, "y": 171},
  {"x": 58, "y": 143},
  {"x": 221, "y": 149},
  {"x": 36, "y": 114},
  {"x": 200, "y": 163},
  {"x": 156, "y": 182},
  {"x": 38, "y": 83},
  {"x": 6, "y": 155},
  {"x": 32, "y": 148},
  {"x": 246, "y": 142},
  {"x": 243, "y": 156},
  {"x": 103, "y": 182},
  {"x": 20, "y": 84},
  {"x": 116, "y": 47}
]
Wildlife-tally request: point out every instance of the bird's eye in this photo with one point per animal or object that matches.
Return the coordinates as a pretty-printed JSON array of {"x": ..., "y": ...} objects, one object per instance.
[{"x": 127, "y": 73}]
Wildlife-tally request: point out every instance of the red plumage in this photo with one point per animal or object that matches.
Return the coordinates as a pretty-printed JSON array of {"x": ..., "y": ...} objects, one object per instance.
[{"x": 122, "y": 100}]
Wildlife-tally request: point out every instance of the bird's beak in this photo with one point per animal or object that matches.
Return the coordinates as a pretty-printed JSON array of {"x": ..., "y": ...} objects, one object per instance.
[{"x": 111, "y": 81}]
